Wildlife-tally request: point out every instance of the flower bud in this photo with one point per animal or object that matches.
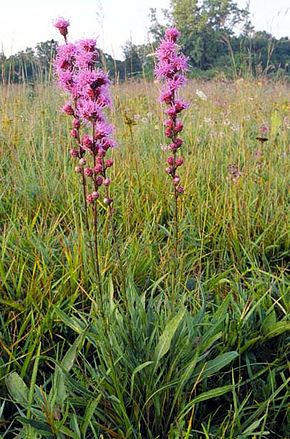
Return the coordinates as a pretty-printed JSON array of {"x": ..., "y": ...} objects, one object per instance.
[
  {"x": 99, "y": 181},
  {"x": 88, "y": 172},
  {"x": 179, "y": 106},
  {"x": 176, "y": 180},
  {"x": 82, "y": 161},
  {"x": 179, "y": 161},
  {"x": 108, "y": 201},
  {"x": 95, "y": 195},
  {"x": 86, "y": 141},
  {"x": 109, "y": 163},
  {"x": 78, "y": 169},
  {"x": 98, "y": 168},
  {"x": 90, "y": 198},
  {"x": 171, "y": 111},
  {"x": 178, "y": 127},
  {"x": 101, "y": 153},
  {"x": 74, "y": 133},
  {"x": 107, "y": 182},
  {"x": 68, "y": 109},
  {"x": 74, "y": 152},
  {"x": 170, "y": 160},
  {"x": 168, "y": 132},
  {"x": 76, "y": 123},
  {"x": 180, "y": 189},
  {"x": 178, "y": 142}
]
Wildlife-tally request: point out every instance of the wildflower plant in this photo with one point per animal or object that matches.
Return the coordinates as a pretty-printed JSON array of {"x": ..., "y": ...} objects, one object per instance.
[
  {"x": 171, "y": 68},
  {"x": 88, "y": 87}
]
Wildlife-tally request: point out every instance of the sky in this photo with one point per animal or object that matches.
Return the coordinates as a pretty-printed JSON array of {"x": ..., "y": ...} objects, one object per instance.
[{"x": 24, "y": 23}]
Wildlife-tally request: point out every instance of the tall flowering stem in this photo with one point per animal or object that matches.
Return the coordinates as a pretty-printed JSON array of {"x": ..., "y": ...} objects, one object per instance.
[
  {"x": 171, "y": 67},
  {"x": 88, "y": 89}
]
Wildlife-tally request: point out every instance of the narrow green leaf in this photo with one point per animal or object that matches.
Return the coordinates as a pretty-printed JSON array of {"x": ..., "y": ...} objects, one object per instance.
[
  {"x": 210, "y": 394},
  {"x": 89, "y": 413},
  {"x": 251, "y": 429},
  {"x": 277, "y": 329},
  {"x": 58, "y": 391},
  {"x": 218, "y": 363},
  {"x": 17, "y": 388},
  {"x": 166, "y": 337},
  {"x": 135, "y": 371}
]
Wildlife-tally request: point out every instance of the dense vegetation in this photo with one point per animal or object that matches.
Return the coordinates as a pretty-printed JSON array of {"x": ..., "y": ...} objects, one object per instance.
[
  {"x": 208, "y": 359},
  {"x": 217, "y": 36}
]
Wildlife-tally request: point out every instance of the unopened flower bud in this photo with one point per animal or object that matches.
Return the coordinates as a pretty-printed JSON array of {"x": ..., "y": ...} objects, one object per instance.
[
  {"x": 178, "y": 127},
  {"x": 76, "y": 123},
  {"x": 179, "y": 106},
  {"x": 98, "y": 168},
  {"x": 168, "y": 132},
  {"x": 171, "y": 111},
  {"x": 82, "y": 161},
  {"x": 78, "y": 169},
  {"x": 109, "y": 163},
  {"x": 178, "y": 142},
  {"x": 99, "y": 181},
  {"x": 108, "y": 201},
  {"x": 90, "y": 198},
  {"x": 176, "y": 179},
  {"x": 86, "y": 141},
  {"x": 88, "y": 172},
  {"x": 107, "y": 182},
  {"x": 95, "y": 195},
  {"x": 74, "y": 152},
  {"x": 173, "y": 147},
  {"x": 170, "y": 160},
  {"x": 68, "y": 109},
  {"x": 101, "y": 153},
  {"x": 180, "y": 189},
  {"x": 168, "y": 170},
  {"x": 74, "y": 133},
  {"x": 179, "y": 161}
]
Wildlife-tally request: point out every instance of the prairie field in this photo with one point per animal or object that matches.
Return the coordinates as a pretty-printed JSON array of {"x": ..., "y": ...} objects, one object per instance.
[{"x": 193, "y": 348}]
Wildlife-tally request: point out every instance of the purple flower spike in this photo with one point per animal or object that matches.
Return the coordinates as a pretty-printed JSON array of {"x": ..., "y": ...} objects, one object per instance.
[
  {"x": 171, "y": 67},
  {"x": 88, "y": 86}
]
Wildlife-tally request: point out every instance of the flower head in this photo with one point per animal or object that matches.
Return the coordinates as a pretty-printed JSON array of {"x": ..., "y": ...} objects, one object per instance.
[{"x": 61, "y": 24}]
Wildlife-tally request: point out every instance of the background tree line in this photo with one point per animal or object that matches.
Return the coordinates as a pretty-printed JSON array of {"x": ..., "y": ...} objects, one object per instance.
[{"x": 217, "y": 36}]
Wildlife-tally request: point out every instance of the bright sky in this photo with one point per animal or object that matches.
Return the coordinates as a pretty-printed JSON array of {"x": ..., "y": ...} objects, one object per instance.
[{"x": 23, "y": 23}]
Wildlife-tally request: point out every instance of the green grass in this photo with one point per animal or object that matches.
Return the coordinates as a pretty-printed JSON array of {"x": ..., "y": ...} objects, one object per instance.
[{"x": 207, "y": 360}]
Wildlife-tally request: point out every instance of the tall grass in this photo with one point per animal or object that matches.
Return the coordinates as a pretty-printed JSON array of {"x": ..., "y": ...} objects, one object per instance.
[{"x": 215, "y": 366}]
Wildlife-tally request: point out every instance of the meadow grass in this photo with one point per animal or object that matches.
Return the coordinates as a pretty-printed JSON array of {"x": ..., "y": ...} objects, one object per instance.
[{"x": 208, "y": 360}]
